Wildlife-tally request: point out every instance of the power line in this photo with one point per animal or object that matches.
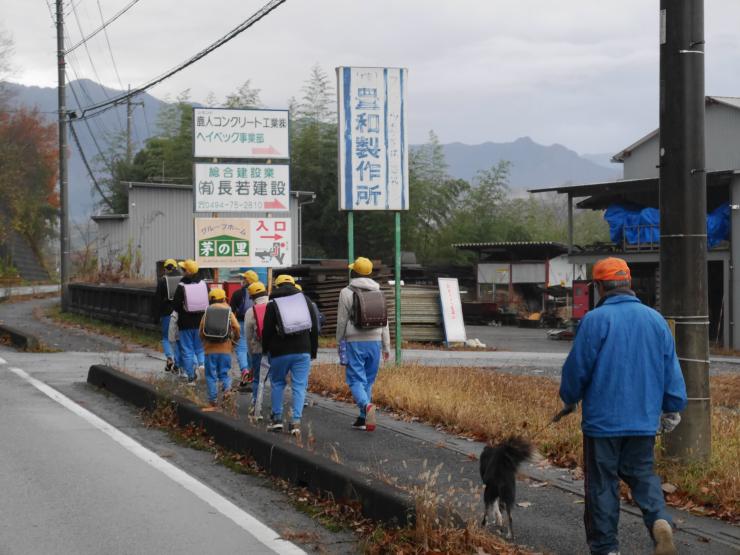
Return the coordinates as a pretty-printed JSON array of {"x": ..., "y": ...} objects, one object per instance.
[
  {"x": 107, "y": 40},
  {"x": 92, "y": 65},
  {"x": 87, "y": 167},
  {"x": 103, "y": 26},
  {"x": 257, "y": 16}
]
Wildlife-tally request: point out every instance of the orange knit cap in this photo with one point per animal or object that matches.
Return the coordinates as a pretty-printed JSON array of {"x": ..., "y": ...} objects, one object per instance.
[{"x": 611, "y": 269}]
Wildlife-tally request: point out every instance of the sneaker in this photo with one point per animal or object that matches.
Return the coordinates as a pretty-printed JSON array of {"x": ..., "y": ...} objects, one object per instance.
[
  {"x": 370, "y": 417},
  {"x": 244, "y": 387},
  {"x": 212, "y": 406},
  {"x": 169, "y": 366},
  {"x": 295, "y": 429},
  {"x": 359, "y": 424},
  {"x": 191, "y": 381},
  {"x": 246, "y": 375},
  {"x": 200, "y": 371},
  {"x": 663, "y": 536},
  {"x": 276, "y": 425}
]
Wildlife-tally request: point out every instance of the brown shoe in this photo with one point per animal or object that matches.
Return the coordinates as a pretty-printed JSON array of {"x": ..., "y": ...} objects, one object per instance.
[{"x": 663, "y": 536}]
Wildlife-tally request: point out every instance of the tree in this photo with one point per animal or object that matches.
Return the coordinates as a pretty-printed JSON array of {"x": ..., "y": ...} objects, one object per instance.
[
  {"x": 28, "y": 173},
  {"x": 6, "y": 49},
  {"x": 244, "y": 97}
]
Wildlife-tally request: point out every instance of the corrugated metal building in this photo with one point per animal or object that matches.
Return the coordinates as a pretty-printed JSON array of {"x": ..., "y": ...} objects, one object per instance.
[
  {"x": 159, "y": 225},
  {"x": 640, "y": 187}
]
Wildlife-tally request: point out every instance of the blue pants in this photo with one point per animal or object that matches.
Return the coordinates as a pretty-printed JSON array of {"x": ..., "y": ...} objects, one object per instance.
[
  {"x": 192, "y": 351},
  {"x": 217, "y": 370},
  {"x": 363, "y": 360},
  {"x": 242, "y": 355},
  {"x": 255, "y": 359},
  {"x": 171, "y": 350},
  {"x": 605, "y": 461},
  {"x": 299, "y": 366}
]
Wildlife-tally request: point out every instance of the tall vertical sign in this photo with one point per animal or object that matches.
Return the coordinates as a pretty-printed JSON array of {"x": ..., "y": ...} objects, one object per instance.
[{"x": 373, "y": 153}]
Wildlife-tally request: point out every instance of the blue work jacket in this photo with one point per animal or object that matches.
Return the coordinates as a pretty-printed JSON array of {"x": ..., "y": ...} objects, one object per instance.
[{"x": 623, "y": 366}]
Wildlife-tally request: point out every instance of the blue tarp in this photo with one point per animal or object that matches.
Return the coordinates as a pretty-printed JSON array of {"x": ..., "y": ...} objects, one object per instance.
[{"x": 642, "y": 225}]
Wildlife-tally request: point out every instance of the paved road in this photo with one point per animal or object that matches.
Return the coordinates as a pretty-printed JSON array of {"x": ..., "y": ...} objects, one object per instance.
[{"x": 72, "y": 483}]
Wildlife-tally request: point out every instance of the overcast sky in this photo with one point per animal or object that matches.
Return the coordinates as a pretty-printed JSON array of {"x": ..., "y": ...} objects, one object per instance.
[{"x": 582, "y": 73}]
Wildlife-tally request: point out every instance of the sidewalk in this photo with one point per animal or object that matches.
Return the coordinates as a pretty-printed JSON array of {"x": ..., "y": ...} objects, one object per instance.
[
  {"x": 549, "y": 514},
  {"x": 7, "y": 292}
]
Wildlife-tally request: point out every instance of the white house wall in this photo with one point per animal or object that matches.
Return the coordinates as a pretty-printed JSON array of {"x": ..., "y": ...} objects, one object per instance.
[{"x": 722, "y": 124}]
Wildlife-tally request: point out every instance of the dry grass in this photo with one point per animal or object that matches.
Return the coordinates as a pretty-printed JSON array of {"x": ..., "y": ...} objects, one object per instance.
[{"x": 489, "y": 405}]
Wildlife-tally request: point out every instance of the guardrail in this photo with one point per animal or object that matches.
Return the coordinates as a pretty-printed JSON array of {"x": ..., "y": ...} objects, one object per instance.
[{"x": 114, "y": 303}]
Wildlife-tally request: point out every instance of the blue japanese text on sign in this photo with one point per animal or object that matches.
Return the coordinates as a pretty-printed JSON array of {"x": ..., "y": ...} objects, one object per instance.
[{"x": 373, "y": 154}]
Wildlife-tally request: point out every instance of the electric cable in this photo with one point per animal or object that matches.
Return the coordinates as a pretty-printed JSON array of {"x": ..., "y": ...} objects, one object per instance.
[
  {"x": 87, "y": 167},
  {"x": 110, "y": 50},
  {"x": 103, "y": 26},
  {"x": 96, "y": 109}
]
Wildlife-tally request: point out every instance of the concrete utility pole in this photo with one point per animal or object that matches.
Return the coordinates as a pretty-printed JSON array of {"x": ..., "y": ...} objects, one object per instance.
[
  {"x": 63, "y": 192},
  {"x": 129, "y": 112},
  {"x": 683, "y": 211}
]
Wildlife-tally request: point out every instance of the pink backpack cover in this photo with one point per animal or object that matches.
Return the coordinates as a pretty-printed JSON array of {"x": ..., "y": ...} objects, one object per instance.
[{"x": 196, "y": 296}]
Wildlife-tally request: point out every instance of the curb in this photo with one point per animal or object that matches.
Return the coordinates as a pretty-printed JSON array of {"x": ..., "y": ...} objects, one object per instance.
[
  {"x": 378, "y": 500},
  {"x": 20, "y": 339}
]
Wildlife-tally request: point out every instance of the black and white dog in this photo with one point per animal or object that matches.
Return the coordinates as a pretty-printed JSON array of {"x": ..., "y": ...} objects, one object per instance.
[{"x": 498, "y": 467}]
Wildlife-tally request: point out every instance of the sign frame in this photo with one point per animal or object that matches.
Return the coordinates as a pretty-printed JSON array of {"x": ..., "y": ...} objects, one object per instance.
[
  {"x": 452, "y": 314},
  {"x": 242, "y": 155},
  {"x": 362, "y": 140},
  {"x": 282, "y": 168},
  {"x": 276, "y": 252}
]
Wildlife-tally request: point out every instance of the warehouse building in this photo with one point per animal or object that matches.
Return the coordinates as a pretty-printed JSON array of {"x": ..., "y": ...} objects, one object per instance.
[
  {"x": 631, "y": 206},
  {"x": 160, "y": 225}
]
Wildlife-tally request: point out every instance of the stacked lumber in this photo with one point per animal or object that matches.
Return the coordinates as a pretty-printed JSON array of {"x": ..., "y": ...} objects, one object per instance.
[{"x": 420, "y": 306}]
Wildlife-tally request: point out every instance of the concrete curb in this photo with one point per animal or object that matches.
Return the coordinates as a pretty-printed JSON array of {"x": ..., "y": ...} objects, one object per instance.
[
  {"x": 20, "y": 339},
  {"x": 379, "y": 501}
]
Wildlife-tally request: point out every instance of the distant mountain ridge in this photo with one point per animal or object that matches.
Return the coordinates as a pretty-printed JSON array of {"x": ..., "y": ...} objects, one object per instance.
[{"x": 532, "y": 165}]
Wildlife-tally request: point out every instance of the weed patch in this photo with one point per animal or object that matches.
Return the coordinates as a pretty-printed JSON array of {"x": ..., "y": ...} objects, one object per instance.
[
  {"x": 127, "y": 334},
  {"x": 488, "y": 405}
]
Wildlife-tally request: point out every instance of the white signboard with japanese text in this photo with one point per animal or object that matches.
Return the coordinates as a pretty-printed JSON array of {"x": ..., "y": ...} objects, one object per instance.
[
  {"x": 373, "y": 151},
  {"x": 242, "y": 188},
  {"x": 236, "y": 133},
  {"x": 238, "y": 242},
  {"x": 449, "y": 293}
]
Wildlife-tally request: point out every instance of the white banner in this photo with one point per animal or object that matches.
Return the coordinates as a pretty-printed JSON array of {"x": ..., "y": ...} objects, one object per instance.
[
  {"x": 449, "y": 293},
  {"x": 242, "y": 188},
  {"x": 236, "y": 133},
  {"x": 238, "y": 242},
  {"x": 373, "y": 153}
]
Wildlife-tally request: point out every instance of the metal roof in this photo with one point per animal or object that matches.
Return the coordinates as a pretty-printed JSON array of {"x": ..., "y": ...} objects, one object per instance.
[
  {"x": 638, "y": 191},
  {"x": 515, "y": 250},
  {"x": 731, "y": 101}
]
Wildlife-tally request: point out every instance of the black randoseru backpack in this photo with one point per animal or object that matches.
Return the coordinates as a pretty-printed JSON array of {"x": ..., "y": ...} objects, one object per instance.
[
  {"x": 368, "y": 309},
  {"x": 217, "y": 324}
]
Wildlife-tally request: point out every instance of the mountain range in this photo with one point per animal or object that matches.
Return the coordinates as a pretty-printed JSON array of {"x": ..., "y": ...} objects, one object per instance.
[{"x": 532, "y": 165}]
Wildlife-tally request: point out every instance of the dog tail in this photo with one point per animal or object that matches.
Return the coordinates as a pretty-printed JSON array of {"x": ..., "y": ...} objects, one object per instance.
[{"x": 517, "y": 448}]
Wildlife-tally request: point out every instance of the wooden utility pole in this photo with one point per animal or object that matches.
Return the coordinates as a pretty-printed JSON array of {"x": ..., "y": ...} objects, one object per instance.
[
  {"x": 64, "y": 245},
  {"x": 683, "y": 211}
]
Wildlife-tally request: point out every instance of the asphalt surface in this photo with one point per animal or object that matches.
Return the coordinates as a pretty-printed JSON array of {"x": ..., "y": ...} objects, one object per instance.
[
  {"x": 407, "y": 454},
  {"x": 69, "y": 488}
]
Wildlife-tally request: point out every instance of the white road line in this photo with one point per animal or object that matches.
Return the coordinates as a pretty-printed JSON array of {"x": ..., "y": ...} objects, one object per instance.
[
  {"x": 265, "y": 535},
  {"x": 3, "y": 361}
]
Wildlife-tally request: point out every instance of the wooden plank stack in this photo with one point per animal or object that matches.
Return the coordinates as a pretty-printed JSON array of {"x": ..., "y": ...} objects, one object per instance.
[{"x": 420, "y": 304}]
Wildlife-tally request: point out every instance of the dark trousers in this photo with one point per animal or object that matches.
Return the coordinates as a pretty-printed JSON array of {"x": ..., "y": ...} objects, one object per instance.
[{"x": 605, "y": 461}]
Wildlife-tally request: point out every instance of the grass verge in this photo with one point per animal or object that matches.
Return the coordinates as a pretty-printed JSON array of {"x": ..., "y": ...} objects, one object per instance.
[
  {"x": 489, "y": 405},
  {"x": 127, "y": 334},
  {"x": 430, "y": 533}
]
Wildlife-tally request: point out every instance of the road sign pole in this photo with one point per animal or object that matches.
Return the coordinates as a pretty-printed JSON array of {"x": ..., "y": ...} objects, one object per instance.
[
  {"x": 398, "y": 287},
  {"x": 350, "y": 237}
]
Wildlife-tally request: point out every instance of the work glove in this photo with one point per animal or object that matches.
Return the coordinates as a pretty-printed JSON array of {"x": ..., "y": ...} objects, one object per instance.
[
  {"x": 668, "y": 422},
  {"x": 565, "y": 411}
]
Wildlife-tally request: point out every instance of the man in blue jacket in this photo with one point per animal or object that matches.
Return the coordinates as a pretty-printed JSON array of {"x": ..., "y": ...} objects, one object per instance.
[{"x": 623, "y": 366}]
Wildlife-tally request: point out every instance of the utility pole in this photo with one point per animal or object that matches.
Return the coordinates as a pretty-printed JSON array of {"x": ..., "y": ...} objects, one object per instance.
[
  {"x": 683, "y": 210},
  {"x": 63, "y": 192},
  {"x": 129, "y": 111}
]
